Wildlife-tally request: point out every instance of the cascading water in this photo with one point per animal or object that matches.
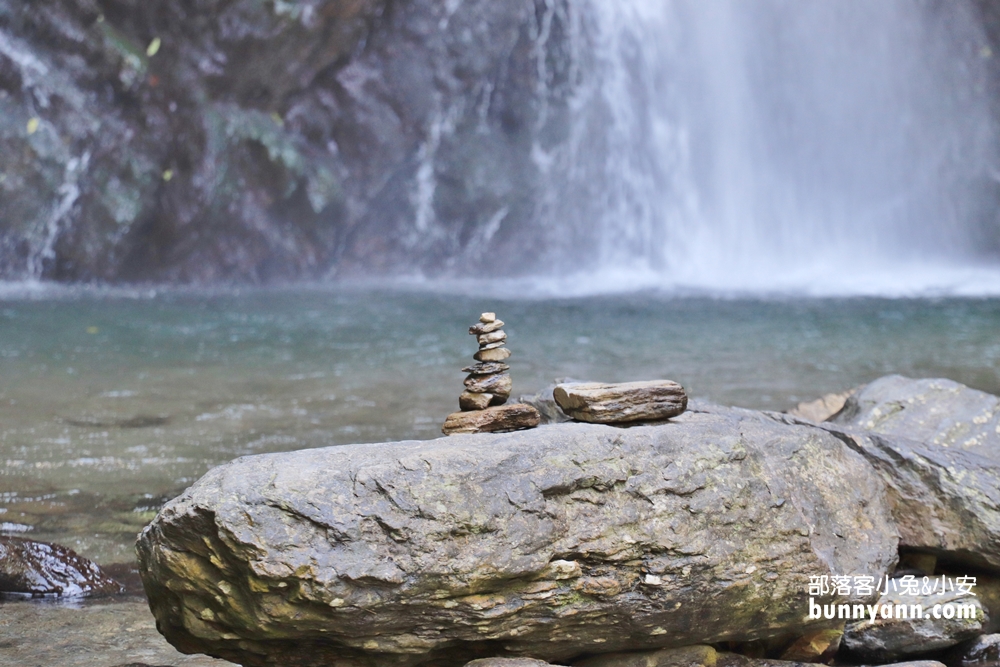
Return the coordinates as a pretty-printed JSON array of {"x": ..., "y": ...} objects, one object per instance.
[{"x": 796, "y": 145}]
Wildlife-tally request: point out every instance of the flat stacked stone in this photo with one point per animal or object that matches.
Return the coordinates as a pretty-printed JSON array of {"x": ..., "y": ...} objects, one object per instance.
[
  {"x": 487, "y": 387},
  {"x": 623, "y": 402}
]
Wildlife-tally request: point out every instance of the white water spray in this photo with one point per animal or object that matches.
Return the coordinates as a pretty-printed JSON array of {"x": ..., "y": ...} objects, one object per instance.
[{"x": 791, "y": 145}]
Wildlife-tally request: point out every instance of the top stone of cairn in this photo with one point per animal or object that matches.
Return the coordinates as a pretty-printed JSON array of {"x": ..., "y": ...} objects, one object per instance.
[{"x": 486, "y": 318}]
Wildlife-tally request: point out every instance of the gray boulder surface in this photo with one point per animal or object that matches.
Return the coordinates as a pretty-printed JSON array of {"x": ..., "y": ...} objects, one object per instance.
[
  {"x": 892, "y": 638},
  {"x": 936, "y": 443},
  {"x": 552, "y": 543}
]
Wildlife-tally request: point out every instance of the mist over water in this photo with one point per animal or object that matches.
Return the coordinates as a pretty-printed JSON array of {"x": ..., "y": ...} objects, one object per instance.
[{"x": 804, "y": 146}]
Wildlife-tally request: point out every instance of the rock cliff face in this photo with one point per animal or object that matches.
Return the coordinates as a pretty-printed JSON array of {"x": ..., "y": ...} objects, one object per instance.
[
  {"x": 549, "y": 543},
  {"x": 212, "y": 140}
]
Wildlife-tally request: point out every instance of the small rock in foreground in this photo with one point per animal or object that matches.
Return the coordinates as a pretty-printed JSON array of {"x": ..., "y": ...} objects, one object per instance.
[
  {"x": 509, "y": 662},
  {"x": 38, "y": 569},
  {"x": 492, "y": 420},
  {"x": 600, "y": 403},
  {"x": 688, "y": 656},
  {"x": 888, "y": 639},
  {"x": 983, "y": 650}
]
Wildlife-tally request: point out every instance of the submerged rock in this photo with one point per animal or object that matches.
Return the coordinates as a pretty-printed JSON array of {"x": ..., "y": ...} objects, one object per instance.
[
  {"x": 550, "y": 543},
  {"x": 38, "y": 569},
  {"x": 936, "y": 443}
]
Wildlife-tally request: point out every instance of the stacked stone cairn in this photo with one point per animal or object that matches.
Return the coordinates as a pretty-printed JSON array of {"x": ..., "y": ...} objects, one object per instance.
[{"x": 487, "y": 387}]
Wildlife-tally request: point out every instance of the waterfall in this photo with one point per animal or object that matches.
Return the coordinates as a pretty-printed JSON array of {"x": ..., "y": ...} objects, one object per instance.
[{"x": 779, "y": 144}]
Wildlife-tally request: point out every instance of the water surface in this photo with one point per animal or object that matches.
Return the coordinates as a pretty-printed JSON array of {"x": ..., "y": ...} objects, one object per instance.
[{"x": 111, "y": 403}]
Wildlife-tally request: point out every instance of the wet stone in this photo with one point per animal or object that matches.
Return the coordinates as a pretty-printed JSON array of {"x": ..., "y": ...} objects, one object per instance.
[
  {"x": 29, "y": 568},
  {"x": 894, "y": 638},
  {"x": 983, "y": 650}
]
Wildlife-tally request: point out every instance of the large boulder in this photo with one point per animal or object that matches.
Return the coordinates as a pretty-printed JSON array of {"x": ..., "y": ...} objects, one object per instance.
[
  {"x": 936, "y": 443},
  {"x": 552, "y": 543}
]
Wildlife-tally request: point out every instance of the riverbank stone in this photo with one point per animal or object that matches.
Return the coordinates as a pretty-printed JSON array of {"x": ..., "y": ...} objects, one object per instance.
[{"x": 552, "y": 543}]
